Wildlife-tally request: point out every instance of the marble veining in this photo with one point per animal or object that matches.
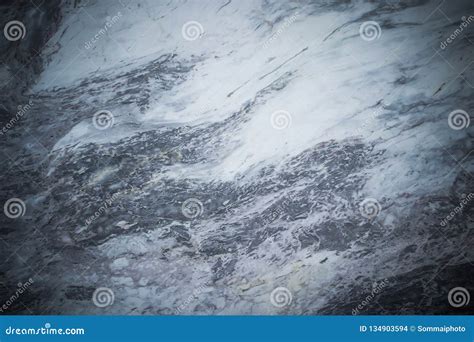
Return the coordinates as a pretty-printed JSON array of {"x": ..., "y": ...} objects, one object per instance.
[{"x": 274, "y": 144}]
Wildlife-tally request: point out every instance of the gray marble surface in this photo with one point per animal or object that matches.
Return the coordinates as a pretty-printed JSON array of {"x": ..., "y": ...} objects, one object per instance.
[{"x": 242, "y": 157}]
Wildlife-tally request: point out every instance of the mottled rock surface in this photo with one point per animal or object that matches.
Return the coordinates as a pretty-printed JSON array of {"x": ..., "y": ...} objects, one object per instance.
[{"x": 196, "y": 199}]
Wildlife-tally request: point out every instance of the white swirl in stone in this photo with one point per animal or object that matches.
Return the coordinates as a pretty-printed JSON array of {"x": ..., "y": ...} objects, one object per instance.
[
  {"x": 103, "y": 119},
  {"x": 370, "y": 30},
  {"x": 458, "y": 119},
  {"x": 281, "y": 297},
  {"x": 103, "y": 296},
  {"x": 192, "y": 208},
  {"x": 281, "y": 119},
  {"x": 458, "y": 296},
  {"x": 192, "y": 30},
  {"x": 14, "y": 30},
  {"x": 14, "y": 208},
  {"x": 369, "y": 208}
]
